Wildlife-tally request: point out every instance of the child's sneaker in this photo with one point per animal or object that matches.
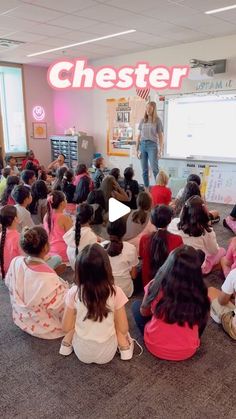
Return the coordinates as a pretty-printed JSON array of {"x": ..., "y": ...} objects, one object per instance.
[
  {"x": 127, "y": 354},
  {"x": 65, "y": 349}
]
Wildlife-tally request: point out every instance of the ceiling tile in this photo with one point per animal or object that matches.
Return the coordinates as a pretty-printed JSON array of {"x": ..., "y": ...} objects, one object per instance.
[
  {"x": 205, "y": 5},
  {"x": 26, "y": 37},
  {"x": 77, "y": 36},
  {"x": 12, "y": 23},
  {"x": 195, "y": 21},
  {"x": 225, "y": 28},
  {"x": 104, "y": 13},
  {"x": 8, "y": 5},
  {"x": 49, "y": 30},
  {"x": 170, "y": 11},
  {"x": 35, "y": 13},
  {"x": 68, "y": 6},
  {"x": 137, "y": 6},
  {"x": 73, "y": 22},
  {"x": 229, "y": 16},
  {"x": 105, "y": 29}
]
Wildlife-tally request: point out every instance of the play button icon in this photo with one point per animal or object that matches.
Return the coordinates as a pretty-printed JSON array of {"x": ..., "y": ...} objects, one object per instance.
[{"x": 116, "y": 209}]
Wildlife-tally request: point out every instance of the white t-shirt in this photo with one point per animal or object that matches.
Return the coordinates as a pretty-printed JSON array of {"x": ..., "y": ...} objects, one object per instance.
[
  {"x": 122, "y": 266},
  {"x": 229, "y": 287},
  {"x": 24, "y": 218},
  {"x": 87, "y": 237},
  {"x": 206, "y": 242},
  {"x": 94, "y": 330}
]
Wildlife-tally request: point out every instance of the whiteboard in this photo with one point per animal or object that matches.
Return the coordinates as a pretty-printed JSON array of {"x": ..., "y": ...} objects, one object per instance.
[
  {"x": 201, "y": 126},
  {"x": 220, "y": 185}
]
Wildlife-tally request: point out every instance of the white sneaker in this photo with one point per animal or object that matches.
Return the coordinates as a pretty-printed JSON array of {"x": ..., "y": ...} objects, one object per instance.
[
  {"x": 214, "y": 316},
  {"x": 65, "y": 349},
  {"x": 127, "y": 354}
]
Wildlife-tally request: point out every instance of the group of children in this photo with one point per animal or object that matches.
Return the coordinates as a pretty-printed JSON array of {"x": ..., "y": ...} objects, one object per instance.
[{"x": 164, "y": 246}]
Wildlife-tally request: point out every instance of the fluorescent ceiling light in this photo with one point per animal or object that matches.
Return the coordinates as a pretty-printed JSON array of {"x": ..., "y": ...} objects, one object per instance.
[
  {"x": 82, "y": 43},
  {"x": 222, "y": 9}
]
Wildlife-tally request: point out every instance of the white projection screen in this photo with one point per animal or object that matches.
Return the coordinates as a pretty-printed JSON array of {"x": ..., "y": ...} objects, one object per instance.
[{"x": 201, "y": 126}]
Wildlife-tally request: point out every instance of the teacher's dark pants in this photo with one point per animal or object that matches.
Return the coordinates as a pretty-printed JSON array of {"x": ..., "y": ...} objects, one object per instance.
[{"x": 149, "y": 152}]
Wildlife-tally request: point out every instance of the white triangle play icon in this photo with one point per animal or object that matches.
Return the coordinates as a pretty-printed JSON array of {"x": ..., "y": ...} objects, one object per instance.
[{"x": 116, "y": 209}]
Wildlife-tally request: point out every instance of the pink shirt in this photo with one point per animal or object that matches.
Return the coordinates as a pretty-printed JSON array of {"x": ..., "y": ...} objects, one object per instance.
[
  {"x": 231, "y": 254},
  {"x": 170, "y": 341},
  {"x": 11, "y": 247},
  {"x": 57, "y": 244},
  {"x": 78, "y": 177}
]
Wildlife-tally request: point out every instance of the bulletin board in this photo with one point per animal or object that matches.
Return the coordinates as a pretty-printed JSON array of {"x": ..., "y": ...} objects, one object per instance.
[
  {"x": 123, "y": 117},
  {"x": 219, "y": 184}
]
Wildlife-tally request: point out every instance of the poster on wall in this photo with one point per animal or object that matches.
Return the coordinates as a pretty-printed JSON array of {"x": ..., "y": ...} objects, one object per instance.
[
  {"x": 40, "y": 130},
  {"x": 123, "y": 117}
]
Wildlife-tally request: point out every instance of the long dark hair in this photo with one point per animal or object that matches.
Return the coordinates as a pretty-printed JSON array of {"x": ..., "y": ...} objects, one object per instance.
[
  {"x": 7, "y": 216},
  {"x": 83, "y": 216},
  {"x": 59, "y": 177},
  {"x": 116, "y": 231},
  {"x": 93, "y": 276},
  {"x": 183, "y": 294},
  {"x": 55, "y": 198},
  {"x": 144, "y": 203},
  {"x": 191, "y": 189},
  {"x": 39, "y": 190},
  {"x": 11, "y": 182},
  {"x": 160, "y": 217},
  {"x": 194, "y": 218}
]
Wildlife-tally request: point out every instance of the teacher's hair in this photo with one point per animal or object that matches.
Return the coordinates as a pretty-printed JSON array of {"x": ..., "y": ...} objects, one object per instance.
[{"x": 154, "y": 113}]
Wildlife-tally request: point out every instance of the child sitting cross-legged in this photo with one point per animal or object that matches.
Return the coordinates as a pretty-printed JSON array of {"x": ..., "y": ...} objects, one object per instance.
[
  {"x": 23, "y": 198},
  {"x": 81, "y": 234},
  {"x": 95, "y": 318},
  {"x": 36, "y": 291},
  {"x": 175, "y": 307}
]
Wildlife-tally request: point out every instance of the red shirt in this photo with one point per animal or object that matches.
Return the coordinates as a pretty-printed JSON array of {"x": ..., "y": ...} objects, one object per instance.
[
  {"x": 170, "y": 341},
  {"x": 34, "y": 161},
  {"x": 173, "y": 241},
  {"x": 161, "y": 195}
]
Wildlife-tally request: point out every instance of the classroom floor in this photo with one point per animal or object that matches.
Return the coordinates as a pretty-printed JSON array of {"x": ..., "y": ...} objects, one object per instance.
[{"x": 38, "y": 383}]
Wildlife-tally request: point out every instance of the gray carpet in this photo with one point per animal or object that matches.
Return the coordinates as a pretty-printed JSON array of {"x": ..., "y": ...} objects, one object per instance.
[{"x": 38, "y": 383}]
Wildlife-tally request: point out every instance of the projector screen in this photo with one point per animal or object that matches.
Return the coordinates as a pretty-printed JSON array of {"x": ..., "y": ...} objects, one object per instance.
[{"x": 201, "y": 126}]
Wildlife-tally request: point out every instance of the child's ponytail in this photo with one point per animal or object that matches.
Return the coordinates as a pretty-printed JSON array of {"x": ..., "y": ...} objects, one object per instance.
[
  {"x": 158, "y": 250},
  {"x": 7, "y": 216},
  {"x": 116, "y": 231},
  {"x": 54, "y": 199},
  {"x": 160, "y": 218},
  {"x": 84, "y": 216}
]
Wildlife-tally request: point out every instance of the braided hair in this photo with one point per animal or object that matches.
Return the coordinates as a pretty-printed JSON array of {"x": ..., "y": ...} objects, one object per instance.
[
  {"x": 7, "y": 216},
  {"x": 84, "y": 216}
]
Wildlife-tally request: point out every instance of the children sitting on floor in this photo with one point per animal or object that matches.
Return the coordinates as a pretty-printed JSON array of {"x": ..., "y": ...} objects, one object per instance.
[
  {"x": 9, "y": 244},
  {"x": 123, "y": 256},
  {"x": 175, "y": 307},
  {"x": 99, "y": 175},
  {"x": 56, "y": 223},
  {"x": 193, "y": 226},
  {"x": 228, "y": 262},
  {"x": 230, "y": 221},
  {"x": 222, "y": 309},
  {"x": 37, "y": 293},
  {"x": 3, "y": 181},
  {"x": 22, "y": 196},
  {"x": 6, "y": 198},
  {"x": 131, "y": 187},
  {"x": 161, "y": 194},
  {"x": 154, "y": 248},
  {"x": 81, "y": 234},
  {"x": 28, "y": 178},
  {"x": 95, "y": 318},
  {"x": 38, "y": 206}
]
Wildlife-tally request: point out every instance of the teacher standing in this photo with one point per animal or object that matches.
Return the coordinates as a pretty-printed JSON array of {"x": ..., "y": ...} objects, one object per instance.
[{"x": 150, "y": 141}]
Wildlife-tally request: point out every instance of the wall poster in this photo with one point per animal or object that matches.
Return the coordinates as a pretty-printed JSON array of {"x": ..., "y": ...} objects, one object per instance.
[{"x": 123, "y": 117}]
